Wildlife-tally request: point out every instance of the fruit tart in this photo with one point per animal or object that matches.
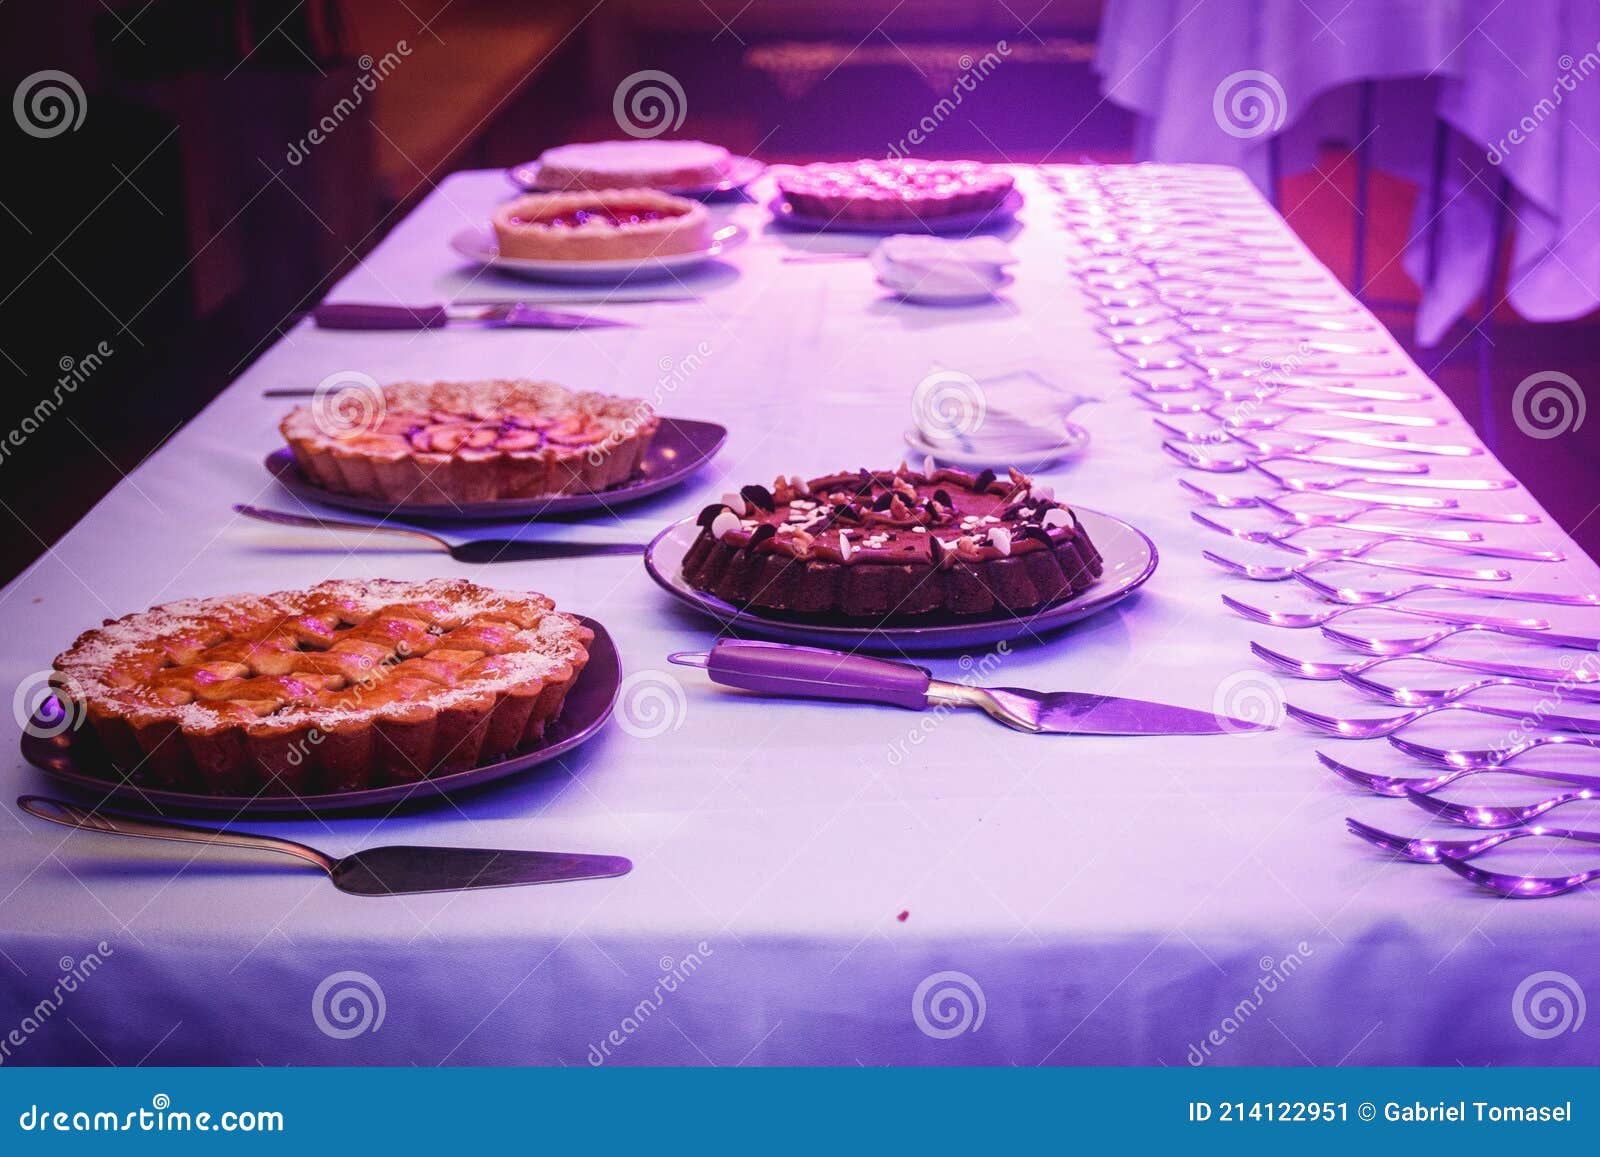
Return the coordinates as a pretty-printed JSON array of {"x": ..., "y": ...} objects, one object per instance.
[
  {"x": 447, "y": 443},
  {"x": 342, "y": 686},
  {"x": 603, "y": 225},
  {"x": 892, "y": 545},
  {"x": 890, "y": 191}
]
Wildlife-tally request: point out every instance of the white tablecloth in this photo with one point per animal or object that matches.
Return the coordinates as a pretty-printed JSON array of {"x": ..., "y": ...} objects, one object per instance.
[
  {"x": 1518, "y": 82},
  {"x": 797, "y": 882}
]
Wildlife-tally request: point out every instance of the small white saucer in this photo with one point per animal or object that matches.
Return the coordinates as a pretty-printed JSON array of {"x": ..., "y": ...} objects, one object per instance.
[
  {"x": 928, "y": 296},
  {"x": 1074, "y": 441}
]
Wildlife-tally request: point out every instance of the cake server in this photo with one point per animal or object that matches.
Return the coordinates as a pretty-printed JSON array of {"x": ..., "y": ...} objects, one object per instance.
[
  {"x": 480, "y": 550},
  {"x": 815, "y": 673},
  {"x": 388, "y": 871},
  {"x": 506, "y": 315}
]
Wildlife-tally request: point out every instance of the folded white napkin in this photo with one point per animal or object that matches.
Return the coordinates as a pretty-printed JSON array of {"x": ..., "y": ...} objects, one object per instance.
[{"x": 936, "y": 267}]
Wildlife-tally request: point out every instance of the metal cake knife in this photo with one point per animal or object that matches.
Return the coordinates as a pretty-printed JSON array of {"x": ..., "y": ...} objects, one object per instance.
[
  {"x": 387, "y": 871},
  {"x": 815, "y": 673}
]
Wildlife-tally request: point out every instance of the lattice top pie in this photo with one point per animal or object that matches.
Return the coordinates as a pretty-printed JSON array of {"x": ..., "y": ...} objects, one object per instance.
[
  {"x": 344, "y": 685},
  {"x": 445, "y": 443},
  {"x": 890, "y": 190}
]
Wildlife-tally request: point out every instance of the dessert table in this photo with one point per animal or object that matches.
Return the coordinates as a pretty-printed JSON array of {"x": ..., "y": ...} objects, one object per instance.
[{"x": 813, "y": 883}]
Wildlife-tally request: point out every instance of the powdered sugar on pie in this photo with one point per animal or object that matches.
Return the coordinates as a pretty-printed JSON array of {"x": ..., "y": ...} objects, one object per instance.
[{"x": 346, "y": 684}]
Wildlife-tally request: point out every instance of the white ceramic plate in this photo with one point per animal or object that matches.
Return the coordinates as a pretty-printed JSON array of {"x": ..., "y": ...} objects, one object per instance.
[
  {"x": 926, "y": 296},
  {"x": 478, "y": 245},
  {"x": 741, "y": 171},
  {"x": 1074, "y": 441}
]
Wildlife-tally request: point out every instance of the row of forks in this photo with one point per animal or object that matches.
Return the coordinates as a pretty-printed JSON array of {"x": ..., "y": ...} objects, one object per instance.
[{"x": 1219, "y": 320}]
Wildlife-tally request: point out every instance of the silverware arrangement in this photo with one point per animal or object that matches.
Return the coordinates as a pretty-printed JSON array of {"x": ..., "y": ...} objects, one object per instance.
[{"x": 1254, "y": 366}]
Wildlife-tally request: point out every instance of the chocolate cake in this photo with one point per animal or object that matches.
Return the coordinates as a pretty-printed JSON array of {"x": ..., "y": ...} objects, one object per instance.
[{"x": 899, "y": 543}]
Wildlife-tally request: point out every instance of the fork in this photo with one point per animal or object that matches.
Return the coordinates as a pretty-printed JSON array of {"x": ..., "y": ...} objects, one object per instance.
[
  {"x": 1422, "y": 850},
  {"x": 1316, "y": 485},
  {"x": 1356, "y": 598},
  {"x": 1375, "y": 646},
  {"x": 1234, "y": 431},
  {"x": 1280, "y": 538},
  {"x": 1412, "y": 697},
  {"x": 1450, "y": 512},
  {"x": 1250, "y": 501},
  {"x": 1488, "y": 758},
  {"x": 1317, "y": 384},
  {"x": 1272, "y": 574},
  {"x": 1488, "y": 816},
  {"x": 1456, "y": 541},
  {"x": 1346, "y": 728},
  {"x": 1399, "y": 785},
  {"x": 1360, "y": 411},
  {"x": 1215, "y": 465},
  {"x": 1301, "y": 619},
  {"x": 1308, "y": 669}
]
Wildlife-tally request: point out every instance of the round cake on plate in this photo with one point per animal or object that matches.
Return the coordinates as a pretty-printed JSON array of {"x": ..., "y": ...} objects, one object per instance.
[
  {"x": 869, "y": 191},
  {"x": 607, "y": 225},
  {"x": 447, "y": 443},
  {"x": 342, "y": 686},
  {"x": 633, "y": 164},
  {"x": 892, "y": 545}
]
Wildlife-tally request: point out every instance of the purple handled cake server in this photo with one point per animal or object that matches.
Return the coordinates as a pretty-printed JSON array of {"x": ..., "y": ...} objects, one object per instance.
[
  {"x": 815, "y": 673},
  {"x": 505, "y": 315}
]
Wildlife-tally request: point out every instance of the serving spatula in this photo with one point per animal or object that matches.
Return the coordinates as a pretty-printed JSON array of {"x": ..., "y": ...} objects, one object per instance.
[
  {"x": 502, "y": 315},
  {"x": 477, "y": 551},
  {"x": 388, "y": 871},
  {"x": 815, "y": 673}
]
